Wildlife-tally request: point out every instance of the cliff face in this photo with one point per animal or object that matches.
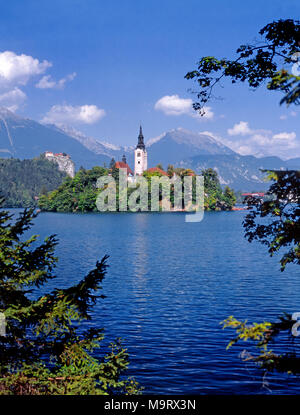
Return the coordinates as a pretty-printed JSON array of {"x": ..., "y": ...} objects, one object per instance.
[{"x": 64, "y": 162}]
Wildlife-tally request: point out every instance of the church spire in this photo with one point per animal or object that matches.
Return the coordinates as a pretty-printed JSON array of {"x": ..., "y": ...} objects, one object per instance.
[
  {"x": 140, "y": 155},
  {"x": 141, "y": 143}
]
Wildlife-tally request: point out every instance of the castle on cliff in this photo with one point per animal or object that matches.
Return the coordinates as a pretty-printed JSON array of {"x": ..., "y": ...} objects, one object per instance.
[{"x": 63, "y": 161}]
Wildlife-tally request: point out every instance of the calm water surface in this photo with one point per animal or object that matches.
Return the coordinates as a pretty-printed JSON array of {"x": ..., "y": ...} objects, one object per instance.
[{"x": 169, "y": 285}]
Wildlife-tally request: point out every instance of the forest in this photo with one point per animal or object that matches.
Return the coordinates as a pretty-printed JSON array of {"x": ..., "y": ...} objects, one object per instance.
[{"x": 22, "y": 181}]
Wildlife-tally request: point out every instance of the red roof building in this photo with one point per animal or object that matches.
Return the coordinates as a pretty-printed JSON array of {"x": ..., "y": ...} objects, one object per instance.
[
  {"x": 122, "y": 165},
  {"x": 156, "y": 170}
]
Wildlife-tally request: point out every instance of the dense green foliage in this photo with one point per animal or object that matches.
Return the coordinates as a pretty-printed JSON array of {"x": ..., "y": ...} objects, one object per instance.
[
  {"x": 282, "y": 208},
  {"x": 264, "y": 336},
  {"x": 75, "y": 195},
  {"x": 47, "y": 348},
  {"x": 22, "y": 181},
  {"x": 80, "y": 194},
  {"x": 215, "y": 198}
]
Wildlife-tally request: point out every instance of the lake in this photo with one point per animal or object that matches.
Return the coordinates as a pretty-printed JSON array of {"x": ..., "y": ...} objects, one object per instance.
[{"x": 168, "y": 287}]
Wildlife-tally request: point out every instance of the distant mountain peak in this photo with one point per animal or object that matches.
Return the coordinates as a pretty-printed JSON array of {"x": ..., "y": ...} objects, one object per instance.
[
  {"x": 189, "y": 142},
  {"x": 94, "y": 144},
  {"x": 24, "y": 138},
  {"x": 8, "y": 114},
  {"x": 154, "y": 140}
]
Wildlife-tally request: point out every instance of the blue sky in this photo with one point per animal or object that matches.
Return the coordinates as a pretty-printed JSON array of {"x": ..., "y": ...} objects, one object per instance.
[{"x": 105, "y": 66}]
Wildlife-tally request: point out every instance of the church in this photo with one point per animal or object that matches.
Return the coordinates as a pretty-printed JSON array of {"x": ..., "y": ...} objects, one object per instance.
[
  {"x": 140, "y": 155},
  {"x": 140, "y": 161}
]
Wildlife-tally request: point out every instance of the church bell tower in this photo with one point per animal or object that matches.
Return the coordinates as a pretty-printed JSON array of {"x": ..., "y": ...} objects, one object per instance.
[{"x": 140, "y": 155}]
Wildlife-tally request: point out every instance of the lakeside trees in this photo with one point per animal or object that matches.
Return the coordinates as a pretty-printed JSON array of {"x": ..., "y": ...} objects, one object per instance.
[
  {"x": 215, "y": 197},
  {"x": 22, "y": 181},
  {"x": 77, "y": 194},
  {"x": 48, "y": 347},
  {"x": 80, "y": 193},
  {"x": 38, "y": 182},
  {"x": 274, "y": 222},
  {"x": 282, "y": 230}
]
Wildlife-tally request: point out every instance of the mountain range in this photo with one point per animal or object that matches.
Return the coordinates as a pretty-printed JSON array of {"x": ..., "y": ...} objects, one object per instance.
[{"x": 24, "y": 138}]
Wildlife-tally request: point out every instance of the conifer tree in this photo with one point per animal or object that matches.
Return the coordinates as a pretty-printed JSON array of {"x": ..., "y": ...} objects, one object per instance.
[{"x": 46, "y": 349}]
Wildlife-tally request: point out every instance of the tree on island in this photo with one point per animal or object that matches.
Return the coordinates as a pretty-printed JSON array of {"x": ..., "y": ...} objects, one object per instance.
[
  {"x": 46, "y": 348},
  {"x": 170, "y": 170},
  {"x": 229, "y": 196},
  {"x": 79, "y": 194},
  {"x": 160, "y": 166},
  {"x": 257, "y": 64},
  {"x": 112, "y": 163}
]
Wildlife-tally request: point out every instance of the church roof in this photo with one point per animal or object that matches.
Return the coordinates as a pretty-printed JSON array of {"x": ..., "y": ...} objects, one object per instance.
[
  {"x": 141, "y": 143},
  {"x": 122, "y": 165},
  {"x": 156, "y": 170}
]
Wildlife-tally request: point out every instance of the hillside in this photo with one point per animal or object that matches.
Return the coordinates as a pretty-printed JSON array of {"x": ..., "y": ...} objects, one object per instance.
[
  {"x": 21, "y": 181},
  {"x": 200, "y": 151},
  {"x": 24, "y": 138},
  {"x": 240, "y": 172}
]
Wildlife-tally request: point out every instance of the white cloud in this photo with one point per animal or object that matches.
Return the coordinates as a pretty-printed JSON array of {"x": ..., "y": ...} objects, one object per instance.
[
  {"x": 46, "y": 82},
  {"x": 68, "y": 114},
  {"x": 174, "y": 105},
  {"x": 242, "y": 128},
  {"x": 12, "y": 99},
  {"x": 290, "y": 114},
  {"x": 262, "y": 142},
  {"x": 18, "y": 69},
  {"x": 285, "y": 136}
]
